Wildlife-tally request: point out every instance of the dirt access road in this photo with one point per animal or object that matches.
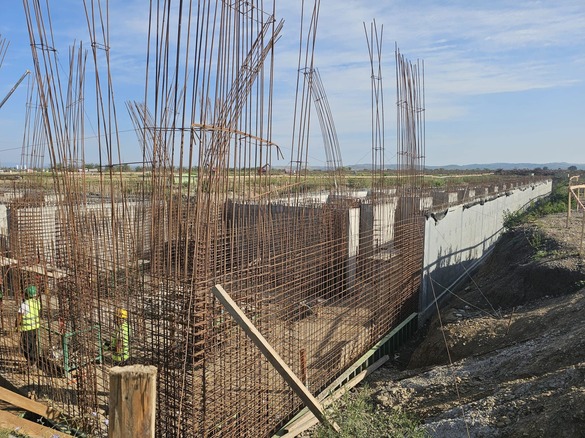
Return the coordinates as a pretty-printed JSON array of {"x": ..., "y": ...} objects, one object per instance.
[{"x": 516, "y": 341}]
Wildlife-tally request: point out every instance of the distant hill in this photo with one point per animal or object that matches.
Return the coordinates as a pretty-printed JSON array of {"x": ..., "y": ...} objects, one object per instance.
[
  {"x": 509, "y": 166},
  {"x": 489, "y": 166}
]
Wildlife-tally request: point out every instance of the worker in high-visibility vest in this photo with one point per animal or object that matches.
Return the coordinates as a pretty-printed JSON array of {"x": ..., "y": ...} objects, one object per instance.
[
  {"x": 120, "y": 338},
  {"x": 28, "y": 322}
]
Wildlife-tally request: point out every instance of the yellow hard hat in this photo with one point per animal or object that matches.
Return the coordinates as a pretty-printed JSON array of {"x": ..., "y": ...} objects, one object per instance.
[{"x": 122, "y": 313}]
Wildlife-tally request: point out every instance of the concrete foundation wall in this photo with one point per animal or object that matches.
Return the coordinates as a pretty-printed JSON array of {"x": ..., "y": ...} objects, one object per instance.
[
  {"x": 35, "y": 232},
  {"x": 457, "y": 241}
]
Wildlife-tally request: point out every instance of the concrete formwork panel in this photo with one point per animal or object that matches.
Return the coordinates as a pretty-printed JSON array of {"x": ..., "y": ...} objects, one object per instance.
[
  {"x": 441, "y": 197},
  {"x": 384, "y": 222},
  {"x": 353, "y": 244},
  {"x": 456, "y": 242}
]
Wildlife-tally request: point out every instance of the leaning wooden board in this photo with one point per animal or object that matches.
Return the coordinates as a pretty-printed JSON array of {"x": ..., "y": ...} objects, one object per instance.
[
  {"x": 34, "y": 430},
  {"x": 29, "y": 405}
]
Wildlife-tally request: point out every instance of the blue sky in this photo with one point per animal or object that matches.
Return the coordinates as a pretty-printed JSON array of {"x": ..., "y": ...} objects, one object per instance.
[{"x": 504, "y": 80}]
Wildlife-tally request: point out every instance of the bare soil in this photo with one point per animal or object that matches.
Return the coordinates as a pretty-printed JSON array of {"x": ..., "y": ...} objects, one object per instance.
[{"x": 506, "y": 355}]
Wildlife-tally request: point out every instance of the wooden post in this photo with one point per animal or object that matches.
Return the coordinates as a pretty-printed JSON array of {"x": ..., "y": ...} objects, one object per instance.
[
  {"x": 132, "y": 402},
  {"x": 569, "y": 204},
  {"x": 273, "y": 357},
  {"x": 582, "y": 234}
]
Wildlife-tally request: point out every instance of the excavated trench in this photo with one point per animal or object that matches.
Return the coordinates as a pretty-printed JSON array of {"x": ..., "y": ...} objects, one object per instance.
[{"x": 507, "y": 356}]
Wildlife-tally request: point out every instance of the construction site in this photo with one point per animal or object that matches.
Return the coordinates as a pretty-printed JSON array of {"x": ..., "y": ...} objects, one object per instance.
[{"x": 324, "y": 270}]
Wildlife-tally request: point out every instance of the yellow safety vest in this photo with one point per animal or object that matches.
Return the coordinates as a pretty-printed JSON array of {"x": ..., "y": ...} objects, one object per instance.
[{"x": 31, "y": 319}]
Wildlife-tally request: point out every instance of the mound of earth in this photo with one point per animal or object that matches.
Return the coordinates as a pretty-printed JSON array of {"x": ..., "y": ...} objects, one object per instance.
[{"x": 506, "y": 355}]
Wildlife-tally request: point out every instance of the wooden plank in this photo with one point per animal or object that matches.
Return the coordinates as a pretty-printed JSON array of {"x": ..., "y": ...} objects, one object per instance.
[
  {"x": 29, "y": 428},
  {"x": 351, "y": 370},
  {"x": 345, "y": 377},
  {"x": 273, "y": 357},
  {"x": 7, "y": 261},
  {"x": 47, "y": 271},
  {"x": 132, "y": 402},
  {"x": 576, "y": 198},
  {"x": 29, "y": 405},
  {"x": 308, "y": 420}
]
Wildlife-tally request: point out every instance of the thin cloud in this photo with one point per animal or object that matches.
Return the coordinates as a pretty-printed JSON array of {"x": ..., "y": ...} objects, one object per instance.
[{"x": 470, "y": 50}]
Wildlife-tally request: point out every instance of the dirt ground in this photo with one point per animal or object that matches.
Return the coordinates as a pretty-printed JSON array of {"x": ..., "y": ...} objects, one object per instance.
[{"x": 515, "y": 363}]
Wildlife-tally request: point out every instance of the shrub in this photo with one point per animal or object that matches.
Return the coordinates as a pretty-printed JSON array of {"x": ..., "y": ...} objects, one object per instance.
[
  {"x": 512, "y": 219},
  {"x": 9, "y": 433},
  {"x": 357, "y": 417},
  {"x": 556, "y": 202}
]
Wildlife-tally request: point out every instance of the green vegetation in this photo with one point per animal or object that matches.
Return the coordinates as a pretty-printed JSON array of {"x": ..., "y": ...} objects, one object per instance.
[
  {"x": 10, "y": 433},
  {"x": 537, "y": 241},
  {"x": 556, "y": 202},
  {"x": 357, "y": 416}
]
